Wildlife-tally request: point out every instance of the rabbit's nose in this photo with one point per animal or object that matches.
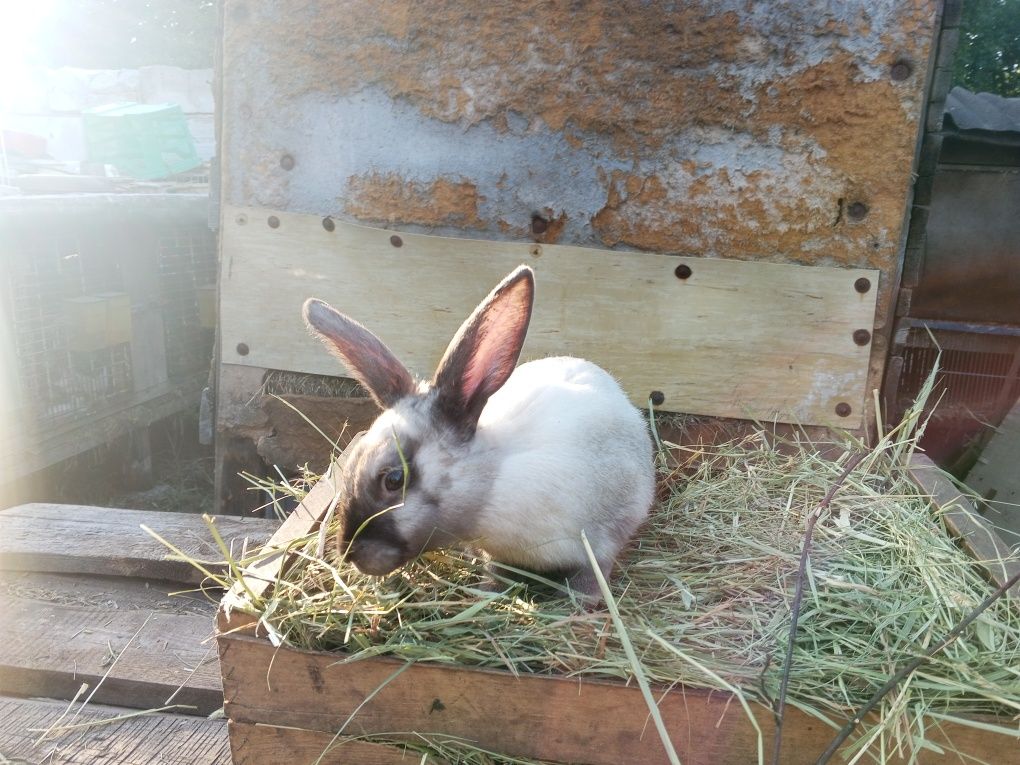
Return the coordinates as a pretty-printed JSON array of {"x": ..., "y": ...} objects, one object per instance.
[{"x": 375, "y": 557}]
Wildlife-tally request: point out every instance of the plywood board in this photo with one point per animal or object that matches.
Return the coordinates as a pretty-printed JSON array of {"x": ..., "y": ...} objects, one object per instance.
[{"x": 734, "y": 339}]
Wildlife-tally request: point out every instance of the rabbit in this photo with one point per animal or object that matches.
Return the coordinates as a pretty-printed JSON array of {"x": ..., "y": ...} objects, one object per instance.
[{"x": 512, "y": 462}]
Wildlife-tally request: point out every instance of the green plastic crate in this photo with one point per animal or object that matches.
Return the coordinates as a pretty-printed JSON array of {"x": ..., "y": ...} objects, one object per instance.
[{"x": 144, "y": 141}]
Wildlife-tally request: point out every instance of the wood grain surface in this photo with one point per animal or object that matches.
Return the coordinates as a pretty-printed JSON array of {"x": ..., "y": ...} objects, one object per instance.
[
  {"x": 550, "y": 718},
  {"x": 264, "y": 744},
  {"x": 166, "y": 739},
  {"x": 747, "y": 339},
  {"x": 110, "y": 542},
  {"x": 59, "y": 632},
  {"x": 976, "y": 534}
]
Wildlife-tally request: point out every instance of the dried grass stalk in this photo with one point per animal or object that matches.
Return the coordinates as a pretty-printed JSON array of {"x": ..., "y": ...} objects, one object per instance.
[{"x": 704, "y": 594}]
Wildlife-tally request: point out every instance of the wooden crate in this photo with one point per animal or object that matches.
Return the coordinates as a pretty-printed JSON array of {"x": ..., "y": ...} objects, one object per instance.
[{"x": 285, "y": 704}]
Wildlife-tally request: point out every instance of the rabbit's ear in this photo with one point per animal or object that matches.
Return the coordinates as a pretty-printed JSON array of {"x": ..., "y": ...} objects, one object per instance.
[
  {"x": 366, "y": 356},
  {"x": 485, "y": 350}
]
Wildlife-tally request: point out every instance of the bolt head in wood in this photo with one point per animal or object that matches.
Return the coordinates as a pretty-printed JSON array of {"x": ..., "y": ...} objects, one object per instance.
[
  {"x": 901, "y": 70},
  {"x": 273, "y": 221},
  {"x": 328, "y": 224},
  {"x": 857, "y": 211},
  {"x": 396, "y": 241},
  {"x": 657, "y": 397},
  {"x": 683, "y": 271},
  {"x": 242, "y": 349},
  {"x": 862, "y": 285},
  {"x": 862, "y": 336},
  {"x": 843, "y": 409}
]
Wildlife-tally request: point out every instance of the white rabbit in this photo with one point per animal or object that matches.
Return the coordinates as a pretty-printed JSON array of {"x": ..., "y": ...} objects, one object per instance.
[{"x": 514, "y": 462}]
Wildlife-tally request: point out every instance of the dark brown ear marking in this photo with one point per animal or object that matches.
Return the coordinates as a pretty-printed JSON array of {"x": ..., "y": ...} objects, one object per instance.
[
  {"x": 366, "y": 356},
  {"x": 484, "y": 352}
]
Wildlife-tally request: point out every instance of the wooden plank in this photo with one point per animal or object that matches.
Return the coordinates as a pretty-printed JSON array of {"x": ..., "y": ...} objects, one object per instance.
[
  {"x": 110, "y": 541},
  {"x": 978, "y": 537},
  {"x": 995, "y": 476},
  {"x": 259, "y": 576},
  {"x": 162, "y": 738},
  {"x": 554, "y": 718},
  {"x": 58, "y": 632},
  {"x": 269, "y": 744},
  {"x": 735, "y": 339}
]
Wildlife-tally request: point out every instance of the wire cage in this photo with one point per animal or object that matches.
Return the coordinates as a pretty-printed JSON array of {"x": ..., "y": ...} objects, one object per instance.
[
  {"x": 59, "y": 377},
  {"x": 977, "y": 374},
  {"x": 977, "y": 382},
  {"x": 102, "y": 299},
  {"x": 187, "y": 278}
]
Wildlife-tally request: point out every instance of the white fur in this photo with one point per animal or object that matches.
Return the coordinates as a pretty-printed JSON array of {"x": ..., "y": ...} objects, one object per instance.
[
  {"x": 572, "y": 454},
  {"x": 557, "y": 449}
]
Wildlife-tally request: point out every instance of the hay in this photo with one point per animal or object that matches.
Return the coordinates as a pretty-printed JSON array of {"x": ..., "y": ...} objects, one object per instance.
[
  {"x": 281, "y": 383},
  {"x": 704, "y": 594}
]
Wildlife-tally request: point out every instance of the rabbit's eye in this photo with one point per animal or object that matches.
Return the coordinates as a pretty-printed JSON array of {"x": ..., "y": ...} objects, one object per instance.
[{"x": 393, "y": 480}]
